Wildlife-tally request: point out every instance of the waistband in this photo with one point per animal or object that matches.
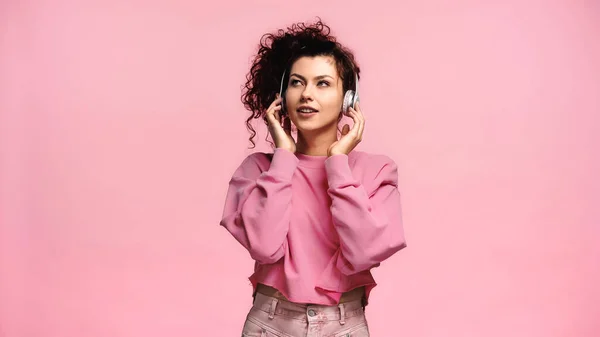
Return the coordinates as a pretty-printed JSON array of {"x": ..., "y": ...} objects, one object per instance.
[
  {"x": 357, "y": 294},
  {"x": 275, "y": 306}
]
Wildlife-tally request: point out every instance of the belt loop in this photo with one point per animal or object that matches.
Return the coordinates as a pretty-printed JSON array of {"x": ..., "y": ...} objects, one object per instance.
[
  {"x": 342, "y": 314},
  {"x": 273, "y": 306}
]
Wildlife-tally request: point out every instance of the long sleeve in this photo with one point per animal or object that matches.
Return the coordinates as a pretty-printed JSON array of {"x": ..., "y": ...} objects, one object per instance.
[
  {"x": 367, "y": 217},
  {"x": 257, "y": 205}
]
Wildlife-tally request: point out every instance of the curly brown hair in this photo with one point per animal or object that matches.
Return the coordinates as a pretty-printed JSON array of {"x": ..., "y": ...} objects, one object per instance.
[{"x": 276, "y": 54}]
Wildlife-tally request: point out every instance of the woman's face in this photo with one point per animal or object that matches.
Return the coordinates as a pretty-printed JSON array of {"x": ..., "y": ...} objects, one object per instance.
[{"x": 314, "y": 94}]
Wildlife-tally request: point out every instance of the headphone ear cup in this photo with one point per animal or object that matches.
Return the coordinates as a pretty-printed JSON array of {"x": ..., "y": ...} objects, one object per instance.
[{"x": 349, "y": 99}]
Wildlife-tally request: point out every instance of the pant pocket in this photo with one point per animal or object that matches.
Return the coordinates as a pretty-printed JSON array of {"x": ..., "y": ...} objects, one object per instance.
[{"x": 255, "y": 329}]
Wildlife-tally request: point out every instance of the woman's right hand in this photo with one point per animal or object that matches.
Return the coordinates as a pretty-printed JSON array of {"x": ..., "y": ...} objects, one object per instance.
[{"x": 281, "y": 134}]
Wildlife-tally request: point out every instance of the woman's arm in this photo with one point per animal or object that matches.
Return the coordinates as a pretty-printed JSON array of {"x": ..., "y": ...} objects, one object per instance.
[
  {"x": 369, "y": 223},
  {"x": 257, "y": 205}
]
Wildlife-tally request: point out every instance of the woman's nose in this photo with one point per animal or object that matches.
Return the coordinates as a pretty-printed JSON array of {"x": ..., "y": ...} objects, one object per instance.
[{"x": 307, "y": 93}]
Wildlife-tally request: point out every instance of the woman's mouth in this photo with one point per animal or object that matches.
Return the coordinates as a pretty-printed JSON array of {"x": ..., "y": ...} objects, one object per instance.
[{"x": 306, "y": 111}]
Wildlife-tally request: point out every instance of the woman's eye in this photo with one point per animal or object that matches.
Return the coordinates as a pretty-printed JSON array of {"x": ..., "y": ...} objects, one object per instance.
[{"x": 295, "y": 82}]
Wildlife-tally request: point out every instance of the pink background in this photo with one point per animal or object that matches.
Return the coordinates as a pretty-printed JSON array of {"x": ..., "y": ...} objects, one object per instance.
[{"x": 121, "y": 124}]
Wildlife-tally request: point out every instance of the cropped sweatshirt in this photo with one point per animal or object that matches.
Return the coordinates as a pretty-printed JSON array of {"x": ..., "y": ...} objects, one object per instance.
[{"x": 315, "y": 225}]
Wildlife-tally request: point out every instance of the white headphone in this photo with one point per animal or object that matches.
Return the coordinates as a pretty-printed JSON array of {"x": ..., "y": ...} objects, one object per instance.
[{"x": 350, "y": 97}]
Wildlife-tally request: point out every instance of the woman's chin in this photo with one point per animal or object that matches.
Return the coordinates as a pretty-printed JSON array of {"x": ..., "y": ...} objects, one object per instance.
[{"x": 312, "y": 126}]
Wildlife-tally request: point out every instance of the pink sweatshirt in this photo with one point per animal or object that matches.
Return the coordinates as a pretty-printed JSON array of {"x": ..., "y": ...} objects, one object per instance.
[{"x": 315, "y": 225}]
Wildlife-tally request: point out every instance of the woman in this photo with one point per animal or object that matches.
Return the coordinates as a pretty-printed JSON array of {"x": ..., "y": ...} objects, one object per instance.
[{"x": 315, "y": 215}]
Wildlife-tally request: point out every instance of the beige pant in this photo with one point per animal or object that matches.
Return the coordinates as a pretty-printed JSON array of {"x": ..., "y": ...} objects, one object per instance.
[{"x": 272, "y": 317}]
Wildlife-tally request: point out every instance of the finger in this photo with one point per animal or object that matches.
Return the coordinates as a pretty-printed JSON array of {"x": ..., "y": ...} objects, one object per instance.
[
  {"x": 360, "y": 123},
  {"x": 273, "y": 115},
  {"x": 274, "y": 112},
  {"x": 358, "y": 113},
  {"x": 356, "y": 125},
  {"x": 352, "y": 115},
  {"x": 274, "y": 103},
  {"x": 358, "y": 109},
  {"x": 362, "y": 118}
]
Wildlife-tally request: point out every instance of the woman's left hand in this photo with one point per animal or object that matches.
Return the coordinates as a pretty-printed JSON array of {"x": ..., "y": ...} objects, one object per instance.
[{"x": 350, "y": 137}]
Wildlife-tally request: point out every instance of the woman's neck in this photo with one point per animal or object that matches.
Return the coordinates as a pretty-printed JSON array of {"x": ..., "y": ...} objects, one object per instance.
[{"x": 315, "y": 144}]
